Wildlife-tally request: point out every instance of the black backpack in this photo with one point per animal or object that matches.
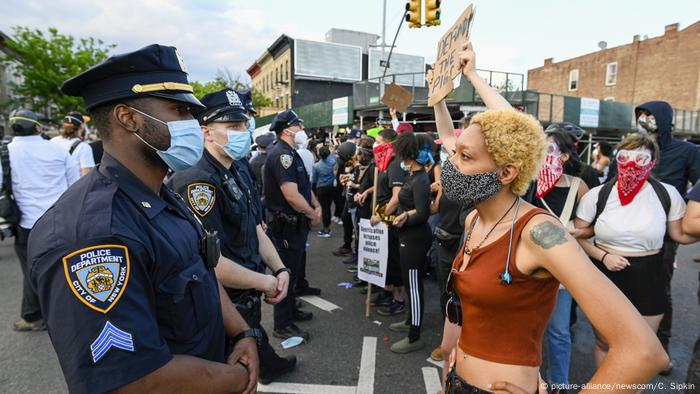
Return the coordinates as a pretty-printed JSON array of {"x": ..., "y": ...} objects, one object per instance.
[
  {"x": 609, "y": 185},
  {"x": 8, "y": 206}
]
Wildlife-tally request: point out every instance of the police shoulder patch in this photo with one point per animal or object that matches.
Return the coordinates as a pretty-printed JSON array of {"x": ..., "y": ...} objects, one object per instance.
[
  {"x": 201, "y": 197},
  {"x": 98, "y": 275},
  {"x": 286, "y": 161}
]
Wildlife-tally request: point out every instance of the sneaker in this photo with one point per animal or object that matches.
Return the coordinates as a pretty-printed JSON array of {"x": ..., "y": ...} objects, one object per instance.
[
  {"x": 271, "y": 371},
  {"x": 352, "y": 269},
  {"x": 337, "y": 220},
  {"x": 406, "y": 346},
  {"x": 400, "y": 326},
  {"x": 351, "y": 260},
  {"x": 324, "y": 234},
  {"x": 308, "y": 290},
  {"x": 342, "y": 252},
  {"x": 394, "y": 308},
  {"x": 436, "y": 355},
  {"x": 383, "y": 299},
  {"x": 290, "y": 331},
  {"x": 23, "y": 325},
  {"x": 300, "y": 315}
]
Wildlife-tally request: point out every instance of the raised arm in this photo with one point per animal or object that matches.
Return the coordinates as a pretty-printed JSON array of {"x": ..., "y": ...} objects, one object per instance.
[{"x": 492, "y": 99}]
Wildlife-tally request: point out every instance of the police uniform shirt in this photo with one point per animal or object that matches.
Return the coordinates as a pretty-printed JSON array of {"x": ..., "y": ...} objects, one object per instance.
[
  {"x": 245, "y": 171},
  {"x": 223, "y": 203},
  {"x": 284, "y": 164},
  {"x": 121, "y": 281}
]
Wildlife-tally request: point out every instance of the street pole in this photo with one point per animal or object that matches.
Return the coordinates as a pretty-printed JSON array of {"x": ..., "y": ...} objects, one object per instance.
[{"x": 381, "y": 80}]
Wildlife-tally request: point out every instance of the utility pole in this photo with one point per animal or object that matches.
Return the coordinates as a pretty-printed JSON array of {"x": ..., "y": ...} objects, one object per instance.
[{"x": 381, "y": 81}]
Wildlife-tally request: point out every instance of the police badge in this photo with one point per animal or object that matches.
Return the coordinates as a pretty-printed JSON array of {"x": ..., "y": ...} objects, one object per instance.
[
  {"x": 201, "y": 197},
  {"x": 98, "y": 275},
  {"x": 286, "y": 161}
]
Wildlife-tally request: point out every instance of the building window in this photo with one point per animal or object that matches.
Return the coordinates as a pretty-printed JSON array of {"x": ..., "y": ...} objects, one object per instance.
[
  {"x": 573, "y": 80},
  {"x": 611, "y": 74},
  {"x": 286, "y": 70}
]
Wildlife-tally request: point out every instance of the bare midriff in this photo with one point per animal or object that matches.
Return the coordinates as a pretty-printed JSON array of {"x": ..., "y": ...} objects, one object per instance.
[{"x": 480, "y": 373}]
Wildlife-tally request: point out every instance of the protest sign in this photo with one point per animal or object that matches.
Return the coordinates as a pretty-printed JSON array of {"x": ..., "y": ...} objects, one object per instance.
[
  {"x": 372, "y": 252},
  {"x": 397, "y": 97},
  {"x": 447, "y": 63}
]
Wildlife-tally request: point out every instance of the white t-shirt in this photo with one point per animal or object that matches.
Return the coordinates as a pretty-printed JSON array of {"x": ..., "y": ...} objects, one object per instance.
[
  {"x": 82, "y": 153},
  {"x": 308, "y": 158},
  {"x": 639, "y": 226},
  {"x": 41, "y": 172}
]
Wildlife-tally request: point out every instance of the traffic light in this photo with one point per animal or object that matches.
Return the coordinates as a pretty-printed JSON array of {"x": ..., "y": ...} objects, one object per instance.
[
  {"x": 432, "y": 12},
  {"x": 413, "y": 14}
]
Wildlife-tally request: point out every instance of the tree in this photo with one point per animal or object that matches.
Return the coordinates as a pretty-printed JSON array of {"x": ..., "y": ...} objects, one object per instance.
[
  {"x": 225, "y": 79},
  {"x": 45, "y": 62}
]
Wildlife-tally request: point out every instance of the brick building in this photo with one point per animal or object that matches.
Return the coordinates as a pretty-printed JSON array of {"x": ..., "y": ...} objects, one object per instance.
[{"x": 665, "y": 68}]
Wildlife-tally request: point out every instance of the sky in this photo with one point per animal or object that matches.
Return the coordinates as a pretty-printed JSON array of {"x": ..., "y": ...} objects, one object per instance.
[{"x": 508, "y": 35}]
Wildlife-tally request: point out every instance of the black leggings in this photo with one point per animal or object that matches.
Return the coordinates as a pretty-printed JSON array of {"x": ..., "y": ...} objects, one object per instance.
[
  {"x": 325, "y": 196},
  {"x": 414, "y": 245}
]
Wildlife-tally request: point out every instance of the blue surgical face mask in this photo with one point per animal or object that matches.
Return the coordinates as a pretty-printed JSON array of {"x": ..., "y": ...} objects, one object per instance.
[
  {"x": 238, "y": 144},
  {"x": 251, "y": 125},
  {"x": 186, "y": 143}
]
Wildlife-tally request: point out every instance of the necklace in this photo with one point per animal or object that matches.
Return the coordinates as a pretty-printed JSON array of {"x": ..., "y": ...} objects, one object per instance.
[{"x": 467, "y": 249}]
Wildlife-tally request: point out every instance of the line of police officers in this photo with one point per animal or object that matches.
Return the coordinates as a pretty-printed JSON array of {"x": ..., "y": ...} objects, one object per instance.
[{"x": 129, "y": 272}]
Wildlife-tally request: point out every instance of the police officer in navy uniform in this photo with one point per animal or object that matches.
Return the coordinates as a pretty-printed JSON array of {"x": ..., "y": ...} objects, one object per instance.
[
  {"x": 123, "y": 270},
  {"x": 292, "y": 209},
  {"x": 216, "y": 193}
]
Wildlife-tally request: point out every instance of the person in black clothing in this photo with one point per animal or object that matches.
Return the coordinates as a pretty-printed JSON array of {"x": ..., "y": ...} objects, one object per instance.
[
  {"x": 582, "y": 170},
  {"x": 389, "y": 182},
  {"x": 262, "y": 141},
  {"x": 344, "y": 154},
  {"x": 414, "y": 151}
]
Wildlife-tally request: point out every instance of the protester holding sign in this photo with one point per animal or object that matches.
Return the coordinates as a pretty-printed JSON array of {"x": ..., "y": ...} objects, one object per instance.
[
  {"x": 504, "y": 283},
  {"x": 415, "y": 236}
]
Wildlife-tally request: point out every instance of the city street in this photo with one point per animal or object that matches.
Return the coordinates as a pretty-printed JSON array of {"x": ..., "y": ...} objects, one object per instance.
[{"x": 346, "y": 353}]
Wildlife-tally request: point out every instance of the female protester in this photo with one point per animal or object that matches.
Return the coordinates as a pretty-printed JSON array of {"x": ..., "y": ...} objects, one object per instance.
[
  {"x": 559, "y": 191},
  {"x": 630, "y": 223},
  {"x": 508, "y": 274},
  {"x": 691, "y": 225},
  {"x": 603, "y": 154},
  {"x": 414, "y": 151},
  {"x": 70, "y": 140},
  {"x": 322, "y": 180}
]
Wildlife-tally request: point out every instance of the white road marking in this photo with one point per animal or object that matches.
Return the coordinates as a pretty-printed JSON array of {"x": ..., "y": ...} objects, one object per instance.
[
  {"x": 438, "y": 364},
  {"x": 320, "y": 303},
  {"x": 365, "y": 383},
  {"x": 431, "y": 377},
  {"x": 297, "y": 388}
]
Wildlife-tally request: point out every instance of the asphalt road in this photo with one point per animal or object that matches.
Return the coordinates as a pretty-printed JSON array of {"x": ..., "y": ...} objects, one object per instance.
[{"x": 331, "y": 360}]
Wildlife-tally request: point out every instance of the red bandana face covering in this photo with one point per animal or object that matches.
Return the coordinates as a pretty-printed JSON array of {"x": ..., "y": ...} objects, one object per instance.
[
  {"x": 550, "y": 173},
  {"x": 631, "y": 176},
  {"x": 382, "y": 155}
]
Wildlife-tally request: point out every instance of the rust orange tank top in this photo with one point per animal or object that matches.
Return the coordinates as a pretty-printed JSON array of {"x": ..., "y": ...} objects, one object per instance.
[{"x": 503, "y": 323}]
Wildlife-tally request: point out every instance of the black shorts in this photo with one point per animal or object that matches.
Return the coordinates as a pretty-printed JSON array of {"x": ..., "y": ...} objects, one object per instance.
[{"x": 642, "y": 282}]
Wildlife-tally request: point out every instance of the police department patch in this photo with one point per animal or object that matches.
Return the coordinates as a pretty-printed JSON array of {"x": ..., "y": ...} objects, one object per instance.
[
  {"x": 286, "y": 161},
  {"x": 98, "y": 275},
  {"x": 201, "y": 197}
]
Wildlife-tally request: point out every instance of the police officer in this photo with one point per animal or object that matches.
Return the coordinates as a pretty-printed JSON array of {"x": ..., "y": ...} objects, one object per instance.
[
  {"x": 292, "y": 208},
  {"x": 217, "y": 194},
  {"x": 263, "y": 142},
  {"x": 123, "y": 270}
]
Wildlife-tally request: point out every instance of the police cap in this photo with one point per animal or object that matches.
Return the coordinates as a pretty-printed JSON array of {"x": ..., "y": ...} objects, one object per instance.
[
  {"x": 247, "y": 99},
  {"x": 23, "y": 121},
  {"x": 155, "y": 70},
  {"x": 285, "y": 119},
  {"x": 265, "y": 140},
  {"x": 222, "y": 106}
]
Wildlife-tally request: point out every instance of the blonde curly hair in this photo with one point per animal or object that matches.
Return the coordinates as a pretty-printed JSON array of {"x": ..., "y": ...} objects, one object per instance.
[{"x": 514, "y": 138}]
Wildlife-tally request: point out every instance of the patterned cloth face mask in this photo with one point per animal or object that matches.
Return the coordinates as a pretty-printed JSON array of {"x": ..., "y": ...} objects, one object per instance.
[
  {"x": 551, "y": 171},
  {"x": 634, "y": 168},
  {"x": 468, "y": 189}
]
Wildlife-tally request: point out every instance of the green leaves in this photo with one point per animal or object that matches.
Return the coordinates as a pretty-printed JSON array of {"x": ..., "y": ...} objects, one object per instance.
[{"x": 43, "y": 61}]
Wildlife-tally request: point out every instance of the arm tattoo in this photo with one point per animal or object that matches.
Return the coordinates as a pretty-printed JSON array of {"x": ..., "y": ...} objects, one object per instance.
[{"x": 548, "y": 235}]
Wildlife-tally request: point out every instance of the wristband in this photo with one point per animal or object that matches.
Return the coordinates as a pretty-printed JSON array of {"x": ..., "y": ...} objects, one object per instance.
[
  {"x": 283, "y": 269},
  {"x": 604, "y": 256},
  {"x": 249, "y": 333}
]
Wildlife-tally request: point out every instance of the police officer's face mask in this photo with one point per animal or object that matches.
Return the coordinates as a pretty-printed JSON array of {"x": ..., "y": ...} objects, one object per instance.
[
  {"x": 238, "y": 143},
  {"x": 186, "y": 143}
]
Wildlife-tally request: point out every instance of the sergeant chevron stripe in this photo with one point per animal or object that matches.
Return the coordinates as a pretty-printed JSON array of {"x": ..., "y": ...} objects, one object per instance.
[{"x": 111, "y": 336}]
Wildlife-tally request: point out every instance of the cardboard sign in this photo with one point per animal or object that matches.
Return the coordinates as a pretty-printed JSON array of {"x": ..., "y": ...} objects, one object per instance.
[
  {"x": 447, "y": 63},
  {"x": 372, "y": 253},
  {"x": 397, "y": 97}
]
